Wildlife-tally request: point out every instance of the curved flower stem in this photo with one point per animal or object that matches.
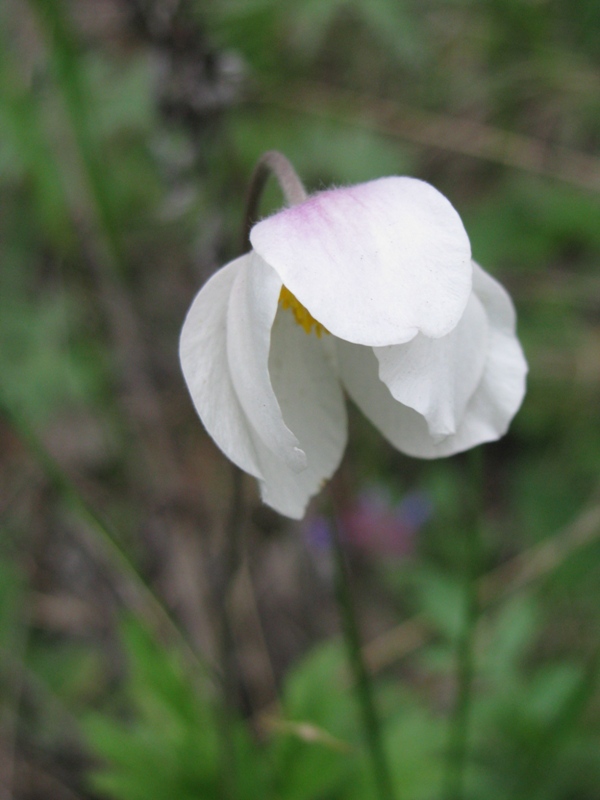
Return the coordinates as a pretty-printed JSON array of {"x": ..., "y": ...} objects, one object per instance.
[
  {"x": 458, "y": 739},
  {"x": 361, "y": 679},
  {"x": 270, "y": 163}
]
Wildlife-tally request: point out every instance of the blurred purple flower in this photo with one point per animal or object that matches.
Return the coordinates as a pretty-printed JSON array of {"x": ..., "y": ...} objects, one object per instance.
[
  {"x": 375, "y": 525},
  {"x": 317, "y": 532}
]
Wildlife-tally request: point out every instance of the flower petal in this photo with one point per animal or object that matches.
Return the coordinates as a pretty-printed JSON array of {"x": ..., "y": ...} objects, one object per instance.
[
  {"x": 374, "y": 263},
  {"x": 402, "y": 426},
  {"x": 437, "y": 377},
  {"x": 253, "y": 305},
  {"x": 502, "y": 388},
  {"x": 301, "y": 385},
  {"x": 491, "y": 407},
  {"x": 203, "y": 355},
  {"x": 312, "y": 403}
]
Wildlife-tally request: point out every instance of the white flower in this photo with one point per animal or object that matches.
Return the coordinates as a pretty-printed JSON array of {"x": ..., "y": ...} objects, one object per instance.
[{"x": 370, "y": 289}]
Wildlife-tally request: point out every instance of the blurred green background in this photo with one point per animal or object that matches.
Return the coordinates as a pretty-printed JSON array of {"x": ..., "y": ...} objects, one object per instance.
[{"x": 128, "y": 132}]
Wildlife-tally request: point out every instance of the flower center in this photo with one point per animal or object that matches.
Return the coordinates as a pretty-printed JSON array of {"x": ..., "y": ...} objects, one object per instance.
[{"x": 302, "y": 316}]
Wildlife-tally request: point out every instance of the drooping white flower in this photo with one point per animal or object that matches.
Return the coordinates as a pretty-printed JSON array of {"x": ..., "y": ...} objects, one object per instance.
[{"x": 370, "y": 289}]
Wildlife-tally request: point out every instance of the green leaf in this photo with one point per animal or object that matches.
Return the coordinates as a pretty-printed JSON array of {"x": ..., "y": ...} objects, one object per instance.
[
  {"x": 313, "y": 755},
  {"x": 509, "y": 639},
  {"x": 441, "y": 597}
]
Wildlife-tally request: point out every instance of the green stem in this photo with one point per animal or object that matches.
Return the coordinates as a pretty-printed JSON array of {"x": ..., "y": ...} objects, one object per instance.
[
  {"x": 458, "y": 738},
  {"x": 70, "y": 79},
  {"x": 460, "y": 720},
  {"x": 361, "y": 678},
  {"x": 102, "y": 530},
  {"x": 271, "y": 163},
  {"x": 24, "y": 128},
  {"x": 231, "y": 558}
]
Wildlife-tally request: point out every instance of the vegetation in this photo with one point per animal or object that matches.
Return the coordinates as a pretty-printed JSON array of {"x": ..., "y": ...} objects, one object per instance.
[{"x": 129, "y": 130}]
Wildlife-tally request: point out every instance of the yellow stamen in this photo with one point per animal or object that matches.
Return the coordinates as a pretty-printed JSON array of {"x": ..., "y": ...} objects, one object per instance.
[{"x": 302, "y": 316}]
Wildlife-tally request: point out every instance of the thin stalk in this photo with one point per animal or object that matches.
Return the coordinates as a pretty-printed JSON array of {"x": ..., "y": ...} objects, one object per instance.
[
  {"x": 270, "y": 163},
  {"x": 362, "y": 684},
  {"x": 275, "y": 164},
  {"x": 93, "y": 224},
  {"x": 13, "y": 681},
  {"x": 24, "y": 129},
  {"x": 70, "y": 79},
  {"x": 103, "y": 531},
  {"x": 231, "y": 559},
  {"x": 460, "y": 721}
]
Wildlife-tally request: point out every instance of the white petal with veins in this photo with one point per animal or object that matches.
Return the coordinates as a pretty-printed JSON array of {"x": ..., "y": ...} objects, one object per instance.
[
  {"x": 421, "y": 338},
  {"x": 503, "y": 385},
  {"x": 203, "y": 355},
  {"x": 374, "y": 263},
  {"x": 313, "y": 406},
  {"x": 253, "y": 305},
  {"x": 437, "y": 377},
  {"x": 488, "y": 412}
]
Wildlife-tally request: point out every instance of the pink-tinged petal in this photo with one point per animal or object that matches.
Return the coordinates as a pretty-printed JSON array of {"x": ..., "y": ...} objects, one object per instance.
[
  {"x": 490, "y": 409},
  {"x": 437, "y": 377},
  {"x": 375, "y": 263},
  {"x": 312, "y": 403},
  {"x": 203, "y": 355},
  {"x": 253, "y": 303}
]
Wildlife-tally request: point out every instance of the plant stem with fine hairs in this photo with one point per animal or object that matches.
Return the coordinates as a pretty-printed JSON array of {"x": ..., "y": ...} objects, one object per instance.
[
  {"x": 276, "y": 164},
  {"x": 271, "y": 163},
  {"x": 230, "y": 678},
  {"x": 361, "y": 680},
  {"x": 458, "y": 739}
]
